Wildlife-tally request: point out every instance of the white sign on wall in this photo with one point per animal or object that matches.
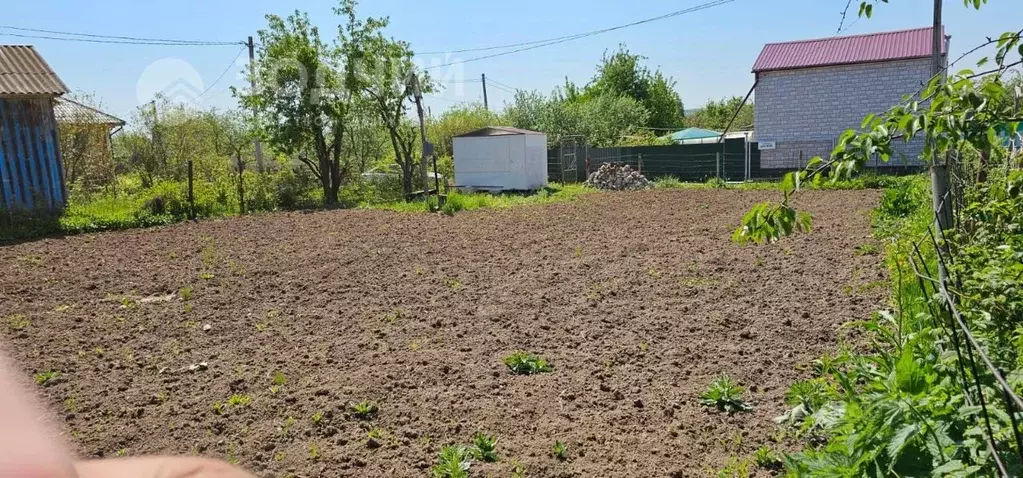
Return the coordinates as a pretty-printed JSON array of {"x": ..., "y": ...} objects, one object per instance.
[{"x": 768, "y": 145}]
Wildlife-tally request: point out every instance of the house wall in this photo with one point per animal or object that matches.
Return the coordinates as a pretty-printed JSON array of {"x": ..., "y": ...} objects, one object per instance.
[
  {"x": 804, "y": 111},
  {"x": 31, "y": 173}
]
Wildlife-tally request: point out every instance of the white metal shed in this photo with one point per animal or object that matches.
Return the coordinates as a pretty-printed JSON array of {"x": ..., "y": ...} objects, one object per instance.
[{"x": 501, "y": 158}]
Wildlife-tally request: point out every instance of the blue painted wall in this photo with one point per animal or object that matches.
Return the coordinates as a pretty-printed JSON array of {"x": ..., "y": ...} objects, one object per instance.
[{"x": 31, "y": 171}]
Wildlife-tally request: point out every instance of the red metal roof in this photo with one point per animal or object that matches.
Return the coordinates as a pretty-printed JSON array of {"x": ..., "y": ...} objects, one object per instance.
[
  {"x": 873, "y": 47},
  {"x": 24, "y": 72}
]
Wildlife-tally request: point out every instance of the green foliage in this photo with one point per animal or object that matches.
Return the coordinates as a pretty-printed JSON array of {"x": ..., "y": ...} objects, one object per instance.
[
  {"x": 715, "y": 115},
  {"x": 766, "y": 459},
  {"x": 725, "y": 395},
  {"x": 621, "y": 74},
  {"x": 185, "y": 293},
  {"x": 452, "y": 462},
  {"x": 525, "y": 363},
  {"x": 43, "y": 378},
  {"x": 364, "y": 410},
  {"x": 239, "y": 400},
  {"x": 279, "y": 379},
  {"x": 485, "y": 447},
  {"x": 560, "y": 450},
  {"x": 459, "y": 119},
  {"x": 735, "y": 468}
]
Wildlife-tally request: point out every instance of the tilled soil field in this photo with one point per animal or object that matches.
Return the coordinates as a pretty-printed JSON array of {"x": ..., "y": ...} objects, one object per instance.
[{"x": 638, "y": 300}]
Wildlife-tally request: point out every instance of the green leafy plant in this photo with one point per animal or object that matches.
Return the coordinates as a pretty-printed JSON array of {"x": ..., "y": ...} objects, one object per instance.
[
  {"x": 364, "y": 410},
  {"x": 452, "y": 462},
  {"x": 317, "y": 418},
  {"x": 525, "y": 363},
  {"x": 766, "y": 458},
  {"x": 185, "y": 293},
  {"x": 43, "y": 378},
  {"x": 725, "y": 395},
  {"x": 485, "y": 447},
  {"x": 560, "y": 450},
  {"x": 239, "y": 400}
]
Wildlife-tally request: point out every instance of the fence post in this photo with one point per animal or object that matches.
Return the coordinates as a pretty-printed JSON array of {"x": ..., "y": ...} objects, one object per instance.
[
  {"x": 191, "y": 193},
  {"x": 717, "y": 164},
  {"x": 241, "y": 186},
  {"x": 640, "y": 164}
]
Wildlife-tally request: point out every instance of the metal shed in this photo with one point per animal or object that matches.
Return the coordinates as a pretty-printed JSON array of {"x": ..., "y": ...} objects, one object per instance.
[
  {"x": 499, "y": 158},
  {"x": 31, "y": 173}
]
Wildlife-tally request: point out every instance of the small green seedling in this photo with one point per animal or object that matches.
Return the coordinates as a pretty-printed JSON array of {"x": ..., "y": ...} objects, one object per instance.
[
  {"x": 767, "y": 459},
  {"x": 239, "y": 400},
  {"x": 364, "y": 410},
  {"x": 206, "y": 276},
  {"x": 42, "y": 378},
  {"x": 185, "y": 293},
  {"x": 525, "y": 363},
  {"x": 317, "y": 418},
  {"x": 560, "y": 450},
  {"x": 280, "y": 379},
  {"x": 18, "y": 322},
  {"x": 314, "y": 451},
  {"x": 725, "y": 395},
  {"x": 129, "y": 303},
  {"x": 485, "y": 447},
  {"x": 219, "y": 408},
  {"x": 452, "y": 462}
]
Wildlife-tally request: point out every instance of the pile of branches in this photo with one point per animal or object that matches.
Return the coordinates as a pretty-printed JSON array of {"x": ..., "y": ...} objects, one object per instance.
[{"x": 617, "y": 177}]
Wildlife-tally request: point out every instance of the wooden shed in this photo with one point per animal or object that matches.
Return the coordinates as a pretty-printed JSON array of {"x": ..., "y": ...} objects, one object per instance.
[{"x": 31, "y": 173}]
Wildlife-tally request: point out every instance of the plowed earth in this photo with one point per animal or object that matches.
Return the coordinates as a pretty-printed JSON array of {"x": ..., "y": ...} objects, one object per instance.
[{"x": 638, "y": 300}]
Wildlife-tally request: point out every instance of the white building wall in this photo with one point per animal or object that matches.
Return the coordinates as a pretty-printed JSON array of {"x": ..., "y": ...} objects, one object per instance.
[
  {"x": 510, "y": 162},
  {"x": 806, "y": 110}
]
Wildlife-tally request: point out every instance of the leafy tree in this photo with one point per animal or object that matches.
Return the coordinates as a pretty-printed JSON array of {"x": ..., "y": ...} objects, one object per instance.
[
  {"x": 458, "y": 120},
  {"x": 383, "y": 71},
  {"x": 604, "y": 120},
  {"x": 299, "y": 95},
  {"x": 622, "y": 74},
  {"x": 84, "y": 146},
  {"x": 715, "y": 115}
]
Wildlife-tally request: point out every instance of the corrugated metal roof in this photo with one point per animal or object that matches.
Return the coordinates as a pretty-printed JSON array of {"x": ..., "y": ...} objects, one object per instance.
[
  {"x": 497, "y": 131},
  {"x": 873, "y": 47},
  {"x": 67, "y": 110},
  {"x": 24, "y": 72}
]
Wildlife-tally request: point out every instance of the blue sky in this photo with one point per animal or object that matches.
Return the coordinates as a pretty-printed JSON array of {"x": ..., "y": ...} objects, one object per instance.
[{"x": 709, "y": 53}]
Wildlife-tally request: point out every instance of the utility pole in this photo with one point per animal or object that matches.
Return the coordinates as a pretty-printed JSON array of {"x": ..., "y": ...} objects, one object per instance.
[
  {"x": 427, "y": 147},
  {"x": 486, "y": 104},
  {"x": 940, "y": 197},
  {"x": 252, "y": 78}
]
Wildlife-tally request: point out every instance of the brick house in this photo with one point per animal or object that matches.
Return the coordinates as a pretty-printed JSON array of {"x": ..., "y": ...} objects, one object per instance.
[{"x": 808, "y": 92}]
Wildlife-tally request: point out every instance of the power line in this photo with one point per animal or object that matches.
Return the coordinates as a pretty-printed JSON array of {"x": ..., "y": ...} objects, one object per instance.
[
  {"x": 554, "y": 41},
  {"x": 503, "y": 88},
  {"x": 498, "y": 83},
  {"x": 567, "y": 37},
  {"x": 121, "y": 39},
  {"x": 221, "y": 77},
  {"x": 113, "y": 42}
]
